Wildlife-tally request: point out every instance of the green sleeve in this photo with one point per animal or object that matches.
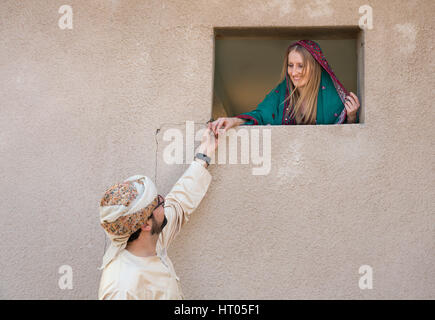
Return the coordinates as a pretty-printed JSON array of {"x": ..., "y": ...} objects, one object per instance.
[{"x": 264, "y": 114}]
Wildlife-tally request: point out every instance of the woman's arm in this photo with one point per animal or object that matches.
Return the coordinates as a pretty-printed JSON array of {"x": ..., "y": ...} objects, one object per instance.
[
  {"x": 225, "y": 124},
  {"x": 264, "y": 113},
  {"x": 350, "y": 119}
]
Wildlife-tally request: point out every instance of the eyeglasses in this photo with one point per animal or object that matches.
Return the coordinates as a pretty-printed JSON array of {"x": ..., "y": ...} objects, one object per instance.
[{"x": 161, "y": 201}]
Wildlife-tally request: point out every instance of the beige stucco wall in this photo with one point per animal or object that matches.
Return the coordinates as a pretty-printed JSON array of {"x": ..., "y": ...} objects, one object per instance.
[{"x": 80, "y": 110}]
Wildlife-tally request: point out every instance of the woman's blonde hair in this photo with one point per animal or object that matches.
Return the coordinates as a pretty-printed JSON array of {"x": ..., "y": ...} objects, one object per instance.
[{"x": 303, "y": 104}]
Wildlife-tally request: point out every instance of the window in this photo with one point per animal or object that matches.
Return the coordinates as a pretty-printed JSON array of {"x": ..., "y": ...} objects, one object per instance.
[{"x": 248, "y": 63}]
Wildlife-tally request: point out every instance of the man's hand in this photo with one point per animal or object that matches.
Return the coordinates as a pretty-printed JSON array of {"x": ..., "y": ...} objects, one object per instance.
[{"x": 209, "y": 143}]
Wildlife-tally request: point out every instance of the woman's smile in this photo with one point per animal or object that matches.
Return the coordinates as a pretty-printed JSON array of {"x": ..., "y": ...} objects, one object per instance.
[
  {"x": 297, "y": 80},
  {"x": 295, "y": 69}
]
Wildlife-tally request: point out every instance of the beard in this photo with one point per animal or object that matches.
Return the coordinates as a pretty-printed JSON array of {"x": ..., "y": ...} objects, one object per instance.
[{"x": 156, "y": 229}]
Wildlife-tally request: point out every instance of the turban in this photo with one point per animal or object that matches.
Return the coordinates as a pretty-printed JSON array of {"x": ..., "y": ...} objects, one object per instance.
[{"x": 124, "y": 208}]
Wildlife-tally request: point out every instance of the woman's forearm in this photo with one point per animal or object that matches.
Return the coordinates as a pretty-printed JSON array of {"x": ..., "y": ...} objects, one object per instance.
[
  {"x": 350, "y": 119},
  {"x": 240, "y": 121}
]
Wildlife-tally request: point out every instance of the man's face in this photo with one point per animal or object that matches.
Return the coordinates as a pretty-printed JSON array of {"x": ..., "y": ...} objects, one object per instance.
[{"x": 158, "y": 217}]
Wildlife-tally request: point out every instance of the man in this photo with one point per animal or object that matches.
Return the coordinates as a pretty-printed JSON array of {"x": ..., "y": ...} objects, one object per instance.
[{"x": 141, "y": 225}]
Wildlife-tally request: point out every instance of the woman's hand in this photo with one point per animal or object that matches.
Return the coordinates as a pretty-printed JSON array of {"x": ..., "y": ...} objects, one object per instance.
[
  {"x": 351, "y": 105},
  {"x": 225, "y": 124}
]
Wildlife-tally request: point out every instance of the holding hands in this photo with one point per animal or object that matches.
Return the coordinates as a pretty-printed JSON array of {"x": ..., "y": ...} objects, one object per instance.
[
  {"x": 224, "y": 124},
  {"x": 208, "y": 144}
]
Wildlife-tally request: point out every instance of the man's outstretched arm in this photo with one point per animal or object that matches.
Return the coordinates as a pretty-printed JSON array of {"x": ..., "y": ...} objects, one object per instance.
[{"x": 189, "y": 190}]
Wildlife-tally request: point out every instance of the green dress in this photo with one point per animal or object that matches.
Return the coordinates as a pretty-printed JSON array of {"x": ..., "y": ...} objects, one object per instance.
[{"x": 331, "y": 94}]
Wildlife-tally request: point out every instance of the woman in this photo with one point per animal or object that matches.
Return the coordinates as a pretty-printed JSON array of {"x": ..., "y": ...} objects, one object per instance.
[{"x": 309, "y": 93}]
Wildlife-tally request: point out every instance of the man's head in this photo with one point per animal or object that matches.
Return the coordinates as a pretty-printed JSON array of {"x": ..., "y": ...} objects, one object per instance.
[
  {"x": 127, "y": 207},
  {"x": 155, "y": 222}
]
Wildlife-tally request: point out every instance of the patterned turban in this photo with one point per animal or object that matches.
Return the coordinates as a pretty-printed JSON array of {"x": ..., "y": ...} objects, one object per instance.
[{"x": 124, "y": 208}]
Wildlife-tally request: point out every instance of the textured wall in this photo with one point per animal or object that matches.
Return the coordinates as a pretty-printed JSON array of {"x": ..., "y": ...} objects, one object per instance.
[{"x": 81, "y": 109}]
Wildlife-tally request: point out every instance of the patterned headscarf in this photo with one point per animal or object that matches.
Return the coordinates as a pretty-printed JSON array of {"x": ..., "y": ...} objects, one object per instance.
[
  {"x": 124, "y": 208},
  {"x": 314, "y": 49}
]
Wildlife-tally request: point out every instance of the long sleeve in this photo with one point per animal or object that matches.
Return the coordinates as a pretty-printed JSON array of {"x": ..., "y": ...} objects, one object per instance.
[
  {"x": 183, "y": 199},
  {"x": 141, "y": 292},
  {"x": 267, "y": 111},
  {"x": 119, "y": 295}
]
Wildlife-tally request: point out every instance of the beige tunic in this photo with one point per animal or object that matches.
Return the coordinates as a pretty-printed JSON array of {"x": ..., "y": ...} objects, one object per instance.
[{"x": 132, "y": 277}]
